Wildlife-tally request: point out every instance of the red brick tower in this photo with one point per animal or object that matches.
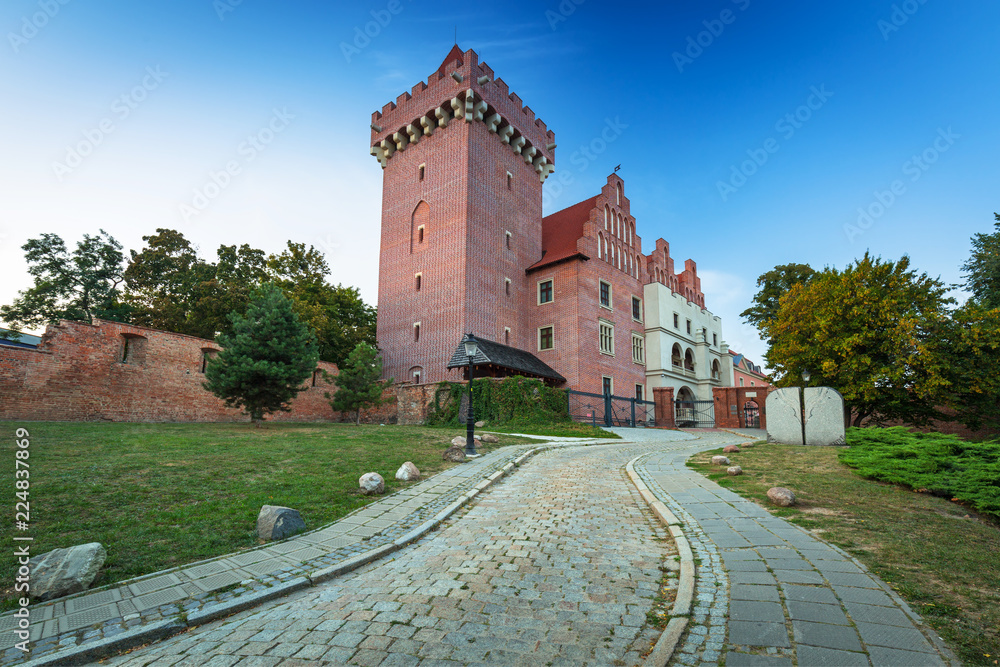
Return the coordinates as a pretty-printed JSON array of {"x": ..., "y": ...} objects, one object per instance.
[{"x": 464, "y": 161}]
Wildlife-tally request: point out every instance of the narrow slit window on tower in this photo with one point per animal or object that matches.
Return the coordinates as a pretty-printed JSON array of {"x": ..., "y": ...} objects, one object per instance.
[
  {"x": 423, "y": 171},
  {"x": 420, "y": 234},
  {"x": 506, "y": 336},
  {"x": 507, "y": 240},
  {"x": 416, "y": 332},
  {"x": 506, "y": 286},
  {"x": 418, "y": 280},
  {"x": 510, "y": 181}
]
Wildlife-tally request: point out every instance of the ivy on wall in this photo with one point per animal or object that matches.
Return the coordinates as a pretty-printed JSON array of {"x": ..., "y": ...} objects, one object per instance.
[{"x": 510, "y": 401}]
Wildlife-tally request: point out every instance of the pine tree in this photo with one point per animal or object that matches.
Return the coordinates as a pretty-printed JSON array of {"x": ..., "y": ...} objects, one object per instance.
[
  {"x": 265, "y": 359},
  {"x": 358, "y": 384}
]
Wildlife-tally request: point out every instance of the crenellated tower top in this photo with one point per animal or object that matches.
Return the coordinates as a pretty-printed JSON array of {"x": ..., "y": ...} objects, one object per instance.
[{"x": 463, "y": 89}]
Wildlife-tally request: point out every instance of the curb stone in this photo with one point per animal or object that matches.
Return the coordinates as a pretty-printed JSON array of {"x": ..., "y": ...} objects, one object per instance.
[
  {"x": 139, "y": 636},
  {"x": 665, "y": 645}
]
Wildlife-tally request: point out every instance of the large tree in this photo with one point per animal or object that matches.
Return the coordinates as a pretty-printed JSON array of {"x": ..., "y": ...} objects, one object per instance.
[
  {"x": 77, "y": 285},
  {"x": 966, "y": 349},
  {"x": 337, "y": 314},
  {"x": 773, "y": 285},
  {"x": 168, "y": 286},
  {"x": 983, "y": 268},
  {"x": 864, "y": 331},
  {"x": 265, "y": 359},
  {"x": 358, "y": 382}
]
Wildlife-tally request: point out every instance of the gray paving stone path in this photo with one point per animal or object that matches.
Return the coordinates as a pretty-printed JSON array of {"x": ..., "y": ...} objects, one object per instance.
[
  {"x": 114, "y": 611},
  {"x": 770, "y": 593},
  {"x": 557, "y": 565}
]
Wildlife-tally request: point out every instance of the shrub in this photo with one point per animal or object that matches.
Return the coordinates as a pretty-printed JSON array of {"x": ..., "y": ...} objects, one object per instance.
[
  {"x": 944, "y": 465},
  {"x": 511, "y": 401}
]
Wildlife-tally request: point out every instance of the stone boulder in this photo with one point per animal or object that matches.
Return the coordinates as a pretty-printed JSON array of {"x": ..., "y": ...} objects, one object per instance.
[
  {"x": 277, "y": 523},
  {"x": 458, "y": 441},
  {"x": 747, "y": 445},
  {"x": 407, "y": 472},
  {"x": 371, "y": 483},
  {"x": 480, "y": 424},
  {"x": 731, "y": 449},
  {"x": 720, "y": 461},
  {"x": 455, "y": 453},
  {"x": 489, "y": 438},
  {"x": 779, "y": 495},
  {"x": 65, "y": 571},
  {"x": 734, "y": 470}
]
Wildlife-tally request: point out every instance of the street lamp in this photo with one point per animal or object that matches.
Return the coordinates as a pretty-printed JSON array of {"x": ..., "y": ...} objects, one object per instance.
[{"x": 471, "y": 349}]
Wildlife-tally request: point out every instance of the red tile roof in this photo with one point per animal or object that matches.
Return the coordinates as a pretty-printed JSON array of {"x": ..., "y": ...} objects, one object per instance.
[{"x": 560, "y": 232}]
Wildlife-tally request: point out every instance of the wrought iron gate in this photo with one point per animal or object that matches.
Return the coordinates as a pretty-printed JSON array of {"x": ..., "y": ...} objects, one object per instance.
[
  {"x": 609, "y": 410},
  {"x": 751, "y": 415},
  {"x": 694, "y": 414}
]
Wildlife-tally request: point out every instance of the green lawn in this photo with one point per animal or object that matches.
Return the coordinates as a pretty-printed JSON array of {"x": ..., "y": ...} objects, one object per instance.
[
  {"x": 941, "y": 556},
  {"x": 162, "y": 495}
]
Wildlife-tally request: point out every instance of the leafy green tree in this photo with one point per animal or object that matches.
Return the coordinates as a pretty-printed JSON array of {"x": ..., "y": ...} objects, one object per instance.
[
  {"x": 866, "y": 332},
  {"x": 966, "y": 350},
  {"x": 337, "y": 314},
  {"x": 77, "y": 285},
  {"x": 168, "y": 286},
  {"x": 266, "y": 357},
  {"x": 983, "y": 268},
  {"x": 773, "y": 285},
  {"x": 358, "y": 383}
]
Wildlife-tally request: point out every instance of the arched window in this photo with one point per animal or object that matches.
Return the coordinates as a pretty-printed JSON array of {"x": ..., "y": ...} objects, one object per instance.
[
  {"x": 619, "y": 191},
  {"x": 607, "y": 215},
  {"x": 419, "y": 225},
  {"x": 600, "y": 245},
  {"x": 675, "y": 358},
  {"x": 606, "y": 251},
  {"x": 716, "y": 374},
  {"x": 689, "y": 361}
]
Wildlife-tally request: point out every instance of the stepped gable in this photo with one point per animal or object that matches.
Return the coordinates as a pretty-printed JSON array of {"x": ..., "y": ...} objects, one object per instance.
[
  {"x": 414, "y": 114},
  {"x": 560, "y": 233}
]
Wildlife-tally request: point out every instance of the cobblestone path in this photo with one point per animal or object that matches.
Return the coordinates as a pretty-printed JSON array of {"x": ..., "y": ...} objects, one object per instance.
[{"x": 556, "y": 565}]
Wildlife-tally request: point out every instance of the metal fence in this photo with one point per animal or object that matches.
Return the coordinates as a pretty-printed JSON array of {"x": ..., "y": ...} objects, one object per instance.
[
  {"x": 609, "y": 410},
  {"x": 694, "y": 414}
]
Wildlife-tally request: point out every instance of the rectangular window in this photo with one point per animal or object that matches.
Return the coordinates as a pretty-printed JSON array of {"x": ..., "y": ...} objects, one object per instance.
[
  {"x": 545, "y": 291},
  {"x": 637, "y": 309},
  {"x": 638, "y": 349},
  {"x": 508, "y": 241},
  {"x": 638, "y": 392},
  {"x": 689, "y": 326},
  {"x": 510, "y": 180},
  {"x": 418, "y": 280},
  {"x": 677, "y": 321},
  {"x": 506, "y": 336},
  {"x": 607, "y": 336},
  {"x": 420, "y": 234},
  {"x": 545, "y": 338},
  {"x": 423, "y": 169},
  {"x": 506, "y": 286},
  {"x": 416, "y": 332},
  {"x": 608, "y": 385},
  {"x": 605, "y": 294},
  {"x": 715, "y": 340}
]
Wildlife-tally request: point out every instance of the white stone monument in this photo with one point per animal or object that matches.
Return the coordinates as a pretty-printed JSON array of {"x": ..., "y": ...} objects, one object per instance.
[
  {"x": 824, "y": 417},
  {"x": 784, "y": 416}
]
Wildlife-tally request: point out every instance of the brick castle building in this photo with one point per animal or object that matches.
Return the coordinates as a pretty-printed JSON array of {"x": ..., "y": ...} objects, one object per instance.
[{"x": 465, "y": 249}]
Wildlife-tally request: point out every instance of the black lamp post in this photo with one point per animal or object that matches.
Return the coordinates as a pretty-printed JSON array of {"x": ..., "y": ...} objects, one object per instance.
[
  {"x": 802, "y": 402},
  {"x": 471, "y": 348}
]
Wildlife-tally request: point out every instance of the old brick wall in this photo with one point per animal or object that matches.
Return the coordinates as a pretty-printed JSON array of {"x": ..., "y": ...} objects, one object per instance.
[
  {"x": 730, "y": 401},
  {"x": 80, "y": 372},
  {"x": 663, "y": 406}
]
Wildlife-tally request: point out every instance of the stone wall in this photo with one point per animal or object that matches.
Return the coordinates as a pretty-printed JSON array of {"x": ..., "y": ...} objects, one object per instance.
[
  {"x": 107, "y": 371},
  {"x": 730, "y": 401}
]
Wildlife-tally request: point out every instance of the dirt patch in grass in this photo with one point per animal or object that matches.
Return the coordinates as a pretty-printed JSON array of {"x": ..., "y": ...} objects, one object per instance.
[{"x": 939, "y": 555}]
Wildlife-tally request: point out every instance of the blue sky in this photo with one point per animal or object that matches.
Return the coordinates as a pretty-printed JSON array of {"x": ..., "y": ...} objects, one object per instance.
[{"x": 748, "y": 134}]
